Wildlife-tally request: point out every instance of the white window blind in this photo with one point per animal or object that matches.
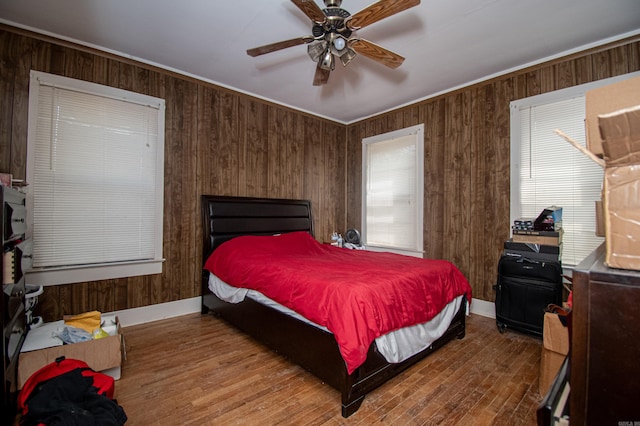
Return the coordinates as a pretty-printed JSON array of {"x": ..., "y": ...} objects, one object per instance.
[
  {"x": 553, "y": 172},
  {"x": 393, "y": 190},
  {"x": 95, "y": 171}
]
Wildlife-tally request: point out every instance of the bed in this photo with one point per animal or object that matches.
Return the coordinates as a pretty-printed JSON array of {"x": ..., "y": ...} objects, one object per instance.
[{"x": 307, "y": 343}]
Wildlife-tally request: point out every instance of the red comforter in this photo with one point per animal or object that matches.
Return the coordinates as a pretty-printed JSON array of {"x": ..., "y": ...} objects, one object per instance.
[{"x": 358, "y": 295}]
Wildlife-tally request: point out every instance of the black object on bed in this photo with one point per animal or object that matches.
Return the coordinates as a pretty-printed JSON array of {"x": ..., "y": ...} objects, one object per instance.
[{"x": 310, "y": 347}]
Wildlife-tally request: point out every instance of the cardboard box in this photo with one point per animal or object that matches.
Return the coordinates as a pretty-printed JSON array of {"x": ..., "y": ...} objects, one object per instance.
[
  {"x": 40, "y": 348},
  {"x": 555, "y": 347},
  {"x": 606, "y": 99},
  {"x": 620, "y": 133}
]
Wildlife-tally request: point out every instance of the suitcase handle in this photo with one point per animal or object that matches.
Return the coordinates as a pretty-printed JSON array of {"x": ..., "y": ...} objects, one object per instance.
[{"x": 526, "y": 259}]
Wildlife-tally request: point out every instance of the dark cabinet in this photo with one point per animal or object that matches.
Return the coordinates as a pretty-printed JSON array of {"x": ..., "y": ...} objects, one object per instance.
[
  {"x": 15, "y": 256},
  {"x": 605, "y": 344}
]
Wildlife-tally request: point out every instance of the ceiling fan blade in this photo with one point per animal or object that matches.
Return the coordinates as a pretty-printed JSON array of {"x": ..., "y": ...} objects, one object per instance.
[
  {"x": 311, "y": 9},
  {"x": 321, "y": 77},
  {"x": 268, "y": 48},
  {"x": 377, "y": 53},
  {"x": 377, "y": 11}
]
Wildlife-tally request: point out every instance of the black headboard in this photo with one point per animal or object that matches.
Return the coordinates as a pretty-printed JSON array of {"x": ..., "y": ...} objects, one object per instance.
[{"x": 226, "y": 217}]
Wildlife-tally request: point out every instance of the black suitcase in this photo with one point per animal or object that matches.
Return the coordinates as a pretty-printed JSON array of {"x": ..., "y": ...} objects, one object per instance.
[{"x": 524, "y": 289}]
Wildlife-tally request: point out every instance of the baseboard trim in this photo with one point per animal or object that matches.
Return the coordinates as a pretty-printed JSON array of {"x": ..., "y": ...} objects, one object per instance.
[
  {"x": 484, "y": 308},
  {"x": 162, "y": 311},
  {"x": 159, "y": 311}
]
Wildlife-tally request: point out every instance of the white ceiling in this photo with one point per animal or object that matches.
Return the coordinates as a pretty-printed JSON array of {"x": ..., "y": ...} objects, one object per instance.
[{"x": 447, "y": 43}]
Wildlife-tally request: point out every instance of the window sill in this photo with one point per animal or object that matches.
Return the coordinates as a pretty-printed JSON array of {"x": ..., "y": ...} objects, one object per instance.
[
  {"x": 86, "y": 273},
  {"x": 413, "y": 253}
]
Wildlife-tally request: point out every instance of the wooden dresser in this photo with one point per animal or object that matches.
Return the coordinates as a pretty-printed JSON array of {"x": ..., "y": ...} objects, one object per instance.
[{"x": 605, "y": 344}]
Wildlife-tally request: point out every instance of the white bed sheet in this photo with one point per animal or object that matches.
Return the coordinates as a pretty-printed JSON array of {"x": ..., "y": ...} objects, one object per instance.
[{"x": 395, "y": 346}]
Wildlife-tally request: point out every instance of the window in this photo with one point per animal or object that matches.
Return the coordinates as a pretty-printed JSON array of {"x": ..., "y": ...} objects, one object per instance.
[
  {"x": 546, "y": 170},
  {"x": 392, "y": 202},
  {"x": 95, "y": 165}
]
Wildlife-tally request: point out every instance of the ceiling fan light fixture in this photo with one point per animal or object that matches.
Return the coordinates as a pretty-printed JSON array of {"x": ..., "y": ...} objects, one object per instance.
[
  {"x": 316, "y": 50},
  {"x": 327, "y": 61},
  {"x": 339, "y": 43},
  {"x": 340, "y": 46},
  {"x": 347, "y": 56}
]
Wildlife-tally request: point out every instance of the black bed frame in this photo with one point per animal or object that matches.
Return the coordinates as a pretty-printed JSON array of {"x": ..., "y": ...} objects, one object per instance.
[{"x": 310, "y": 347}]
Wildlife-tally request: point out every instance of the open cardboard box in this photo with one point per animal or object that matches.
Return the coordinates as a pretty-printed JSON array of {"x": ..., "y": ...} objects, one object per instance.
[
  {"x": 40, "y": 349},
  {"x": 555, "y": 347},
  {"x": 620, "y": 134},
  {"x": 604, "y": 100},
  {"x": 618, "y": 141}
]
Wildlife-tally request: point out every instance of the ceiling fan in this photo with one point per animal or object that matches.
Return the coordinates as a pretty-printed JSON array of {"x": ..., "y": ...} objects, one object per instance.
[{"x": 333, "y": 35}]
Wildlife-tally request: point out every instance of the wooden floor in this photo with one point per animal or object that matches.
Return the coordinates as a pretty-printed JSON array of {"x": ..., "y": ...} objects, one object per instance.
[{"x": 196, "y": 369}]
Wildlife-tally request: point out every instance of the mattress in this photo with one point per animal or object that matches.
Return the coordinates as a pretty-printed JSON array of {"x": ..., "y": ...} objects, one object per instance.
[{"x": 395, "y": 346}]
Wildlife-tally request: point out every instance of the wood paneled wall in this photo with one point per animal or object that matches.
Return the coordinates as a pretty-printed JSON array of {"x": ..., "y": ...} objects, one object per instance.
[
  {"x": 216, "y": 142},
  {"x": 221, "y": 142},
  {"x": 467, "y": 156}
]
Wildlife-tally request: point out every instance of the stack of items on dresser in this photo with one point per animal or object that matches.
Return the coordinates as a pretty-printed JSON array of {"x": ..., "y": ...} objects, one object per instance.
[{"x": 537, "y": 238}]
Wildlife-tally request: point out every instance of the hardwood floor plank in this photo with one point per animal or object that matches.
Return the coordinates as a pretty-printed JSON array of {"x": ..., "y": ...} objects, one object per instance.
[{"x": 196, "y": 369}]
